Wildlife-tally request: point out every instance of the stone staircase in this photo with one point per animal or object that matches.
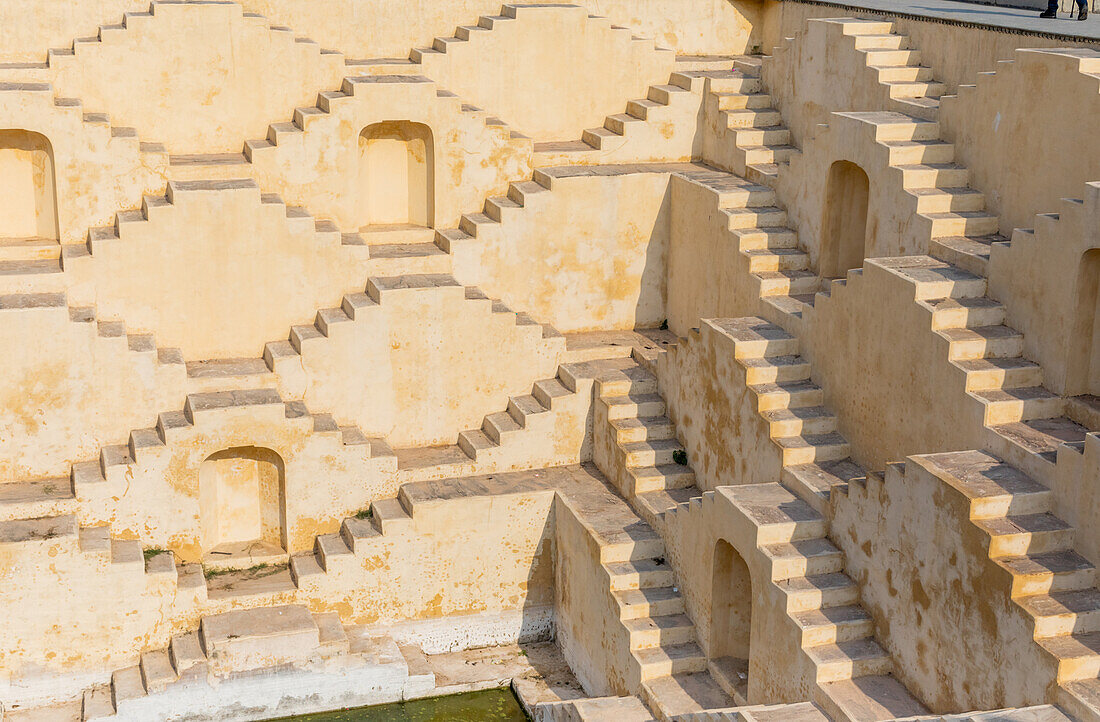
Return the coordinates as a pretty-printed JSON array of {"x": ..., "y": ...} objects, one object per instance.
[
  {"x": 746, "y": 134},
  {"x": 421, "y": 59},
  {"x": 54, "y": 498},
  {"x": 897, "y": 65},
  {"x": 960, "y": 229},
  {"x": 659, "y": 127},
  {"x": 133, "y": 22},
  {"x": 778, "y": 268},
  {"x": 642, "y": 458},
  {"x": 330, "y": 106},
  {"x": 236, "y": 643},
  {"x": 851, "y": 672},
  {"x": 661, "y": 638},
  {"x": 1017, "y": 407},
  {"x": 1054, "y": 586},
  {"x": 529, "y": 421},
  {"x": 814, "y": 456}
]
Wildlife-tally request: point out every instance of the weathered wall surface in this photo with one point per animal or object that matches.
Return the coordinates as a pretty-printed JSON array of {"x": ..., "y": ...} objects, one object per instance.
[
  {"x": 940, "y": 605},
  {"x": 421, "y": 570},
  {"x": 1049, "y": 158},
  {"x": 69, "y": 390},
  {"x": 182, "y": 273},
  {"x": 592, "y": 638},
  {"x": 589, "y": 255},
  {"x": 84, "y": 151},
  {"x": 420, "y": 365},
  {"x": 537, "y": 70},
  {"x": 708, "y": 275},
  {"x": 885, "y": 373},
  {"x": 196, "y": 77},
  {"x": 715, "y": 412},
  {"x": 1046, "y": 269}
]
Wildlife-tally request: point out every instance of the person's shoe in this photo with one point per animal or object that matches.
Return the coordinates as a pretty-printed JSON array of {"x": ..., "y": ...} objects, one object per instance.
[
  {"x": 1083, "y": 14},
  {"x": 1049, "y": 14}
]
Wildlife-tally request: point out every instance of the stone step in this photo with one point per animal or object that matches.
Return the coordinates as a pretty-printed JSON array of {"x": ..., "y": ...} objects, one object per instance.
[
  {"x": 652, "y": 601},
  {"x": 651, "y": 453},
  {"x": 803, "y": 558},
  {"x": 792, "y": 283},
  {"x": 1077, "y": 656},
  {"x": 646, "y": 479},
  {"x": 656, "y": 428},
  {"x": 1061, "y": 613},
  {"x": 983, "y": 342},
  {"x": 834, "y": 625},
  {"x": 635, "y": 406},
  {"x": 787, "y": 395},
  {"x": 1026, "y": 534},
  {"x": 871, "y": 697},
  {"x": 780, "y": 259},
  {"x": 996, "y": 373},
  {"x": 680, "y": 694},
  {"x": 810, "y": 420},
  {"x": 819, "y": 591},
  {"x": 966, "y": 312},
  {"x": 813, "y": 448},
  {"x": 670, "y": 660},
  {"x": 648, "y": 632},
  {"x": 1056, "y": 571},
  {"x": 1005, "y": 406},
  {"x": 775, "y": 370},
  {"x": 639, "y": 574},
  {"x": 846, "y": 660}
]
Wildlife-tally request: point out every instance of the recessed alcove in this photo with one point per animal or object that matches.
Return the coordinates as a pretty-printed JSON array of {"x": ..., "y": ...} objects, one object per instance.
[
  {"x": 844, "y": 244},
  {"x": 730, "y": 620},
  {"x": 28, "y": 205},
  {"x": 396, "y": 177},
  {"x": 242, "y": 507}
]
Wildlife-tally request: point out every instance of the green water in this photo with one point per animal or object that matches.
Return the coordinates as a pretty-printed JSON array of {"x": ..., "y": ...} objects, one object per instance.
[{"x": 493, "y": 705}]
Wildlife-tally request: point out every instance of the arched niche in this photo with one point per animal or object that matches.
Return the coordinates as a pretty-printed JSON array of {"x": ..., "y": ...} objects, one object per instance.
[
  {"x": 28, "y": 190},
  {"x": 844, "y": 240},
  {"x": 730, "y": 619},
  {"x": 242, "y": 503},
  {"x": 396, "y": 175}
]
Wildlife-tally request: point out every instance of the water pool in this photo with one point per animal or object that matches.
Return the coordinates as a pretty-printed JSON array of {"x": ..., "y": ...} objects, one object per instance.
[{"x": 491, "y": 705}]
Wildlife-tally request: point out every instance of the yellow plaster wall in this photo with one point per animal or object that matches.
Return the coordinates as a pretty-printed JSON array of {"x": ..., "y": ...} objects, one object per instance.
[
  {"x": 941, "y": 607},
  {"x": 550, "y": 71},
  {"x": 588, "y": 255},
  {"x": 197, "y": 77}
]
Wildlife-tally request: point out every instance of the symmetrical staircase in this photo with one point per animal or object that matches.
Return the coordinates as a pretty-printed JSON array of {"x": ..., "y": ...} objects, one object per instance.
[
  {"x": 644, "y": 460},
  {"x": 285, "y": 634},
  {"x": 896, "y": 64},
  {"x": 1017, "y": 407},
  {"x": 1054, "y": 586},
  {"x": 851, "y": 672},
  {"x": 747, "y": 130},
  {"x": 814, "y": 457}
]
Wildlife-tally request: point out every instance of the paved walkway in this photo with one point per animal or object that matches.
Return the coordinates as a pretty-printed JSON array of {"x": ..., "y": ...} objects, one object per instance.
[{"x": 1015, "y": 19}]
